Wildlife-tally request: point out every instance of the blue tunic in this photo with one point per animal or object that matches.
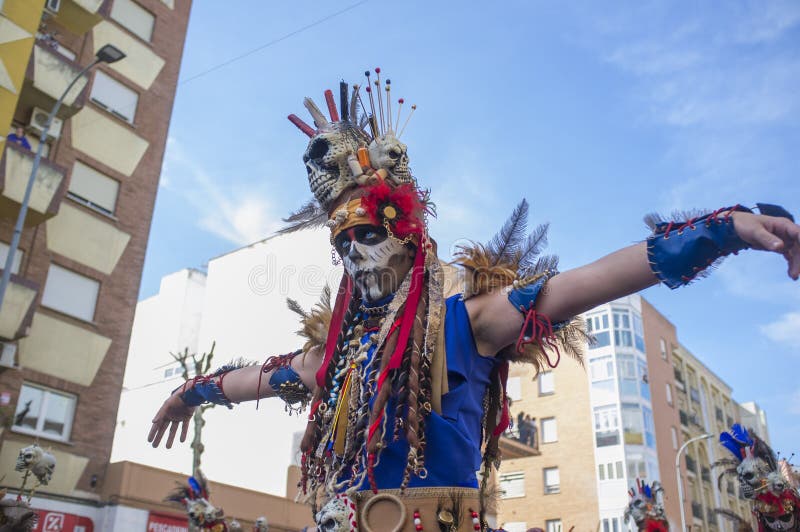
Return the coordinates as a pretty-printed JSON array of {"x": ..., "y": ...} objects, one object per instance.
[{"x": 452, "y": 452}]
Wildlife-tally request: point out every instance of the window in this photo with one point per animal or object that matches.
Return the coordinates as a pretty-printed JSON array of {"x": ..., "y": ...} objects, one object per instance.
[
  {"x": 597, "y": 325},
  {"x": 551, "y": 480},
  {"x": 4, "y": 257},
  {"x": 134, "y": 18},
  {"x": 638, "y": 332},
  {"x": 663, "y": 345},
  {"x": 512, "y": 485},
  {"x": 553, "y": 525},
  {"x": 674, "y": 434},
  {"x": 547, "y": 383},
  {"x": 669, "y": 394},
  {"x": 632, "y": 424},
  {"x": 70, "y": 293},
  {"x": 93, "y": 188},
  {"x": 644, "y": 386},
  {"x": 606, "y": 425},
  {"x": 549, "y": 430},
  {"x": 649, "y": 427},
  {"x": 628, "y": 384},
  {"x": 601, "y": 472},
  {"x": 44, "y": 412},
  {"x": 622, "y": 329},
  {"x": 611, "y": 525},
  {"x": 636, "y": 466},
  {"x": 601, "y": 368},
  {"x": 114, "y": 97},
  {"x": 514, "y": 388}
]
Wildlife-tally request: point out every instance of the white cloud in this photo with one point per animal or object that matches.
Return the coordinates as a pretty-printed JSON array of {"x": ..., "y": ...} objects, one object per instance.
[
  {"x": 241, "y": 214},
  {"x": 785, "y": 330}
]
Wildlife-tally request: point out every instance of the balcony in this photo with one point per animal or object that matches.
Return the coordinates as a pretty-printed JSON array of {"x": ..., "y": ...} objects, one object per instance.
[
  {"x": 697, "y": 510},
  {"x": 705, "y": 474},
  {"x": 48, "y": 74},
  {"x": 718, "y": 414},
  {"x": 79, "y": 16},
  {"x": 711, "y": 517},
  {"x": 691, "y": 465},
  {"x": 18, "y": 308},
  {"x": 684, "y": 418},
  {"x": 679, "y": 380},
  {"x": 48, "y": 188},
  {"x": 513, "y": 448}
]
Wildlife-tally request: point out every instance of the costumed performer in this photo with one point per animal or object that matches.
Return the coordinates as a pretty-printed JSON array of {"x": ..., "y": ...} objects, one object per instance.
[{"x": 405, "y": 385}]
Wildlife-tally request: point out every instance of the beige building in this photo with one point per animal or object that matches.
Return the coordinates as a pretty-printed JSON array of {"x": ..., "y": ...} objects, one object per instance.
[{"x": 66, "y": 318}]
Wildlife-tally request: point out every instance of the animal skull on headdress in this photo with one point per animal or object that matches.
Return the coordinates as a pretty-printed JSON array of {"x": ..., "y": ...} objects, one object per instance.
[{"x": 34, "y": 459}]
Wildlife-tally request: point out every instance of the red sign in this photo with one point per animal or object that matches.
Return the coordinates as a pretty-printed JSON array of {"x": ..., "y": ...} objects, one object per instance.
[
  {"x": 50, "y": 521},
  {"x": 167, "y": 523}
]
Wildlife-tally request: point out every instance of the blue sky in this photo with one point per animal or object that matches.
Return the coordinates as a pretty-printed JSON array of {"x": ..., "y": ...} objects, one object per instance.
[{"x": 596, "y": 115}]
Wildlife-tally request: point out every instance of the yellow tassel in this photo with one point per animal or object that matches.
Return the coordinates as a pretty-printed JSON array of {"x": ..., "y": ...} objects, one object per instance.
[{"x": 339, "y": 429}]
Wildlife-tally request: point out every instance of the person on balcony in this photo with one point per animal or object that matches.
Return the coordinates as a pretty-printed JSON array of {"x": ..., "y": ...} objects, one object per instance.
[{"x": 18, "y": 138}]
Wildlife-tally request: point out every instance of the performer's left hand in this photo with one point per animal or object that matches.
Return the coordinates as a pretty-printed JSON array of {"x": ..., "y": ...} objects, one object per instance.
[{"x": 770, "y": 233}]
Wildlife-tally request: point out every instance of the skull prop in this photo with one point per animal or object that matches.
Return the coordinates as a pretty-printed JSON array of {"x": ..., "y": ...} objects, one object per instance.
[
  {"x": 392, "y": 155},
  {"x": 34, "y": 459},
  {"x": 338, "y": 515},
  {"x": 261, "y": 525},
  {"x": 326, "y": 160},
  {"x": 235, "y": 526},
  {"x": 752, "y": 473},
  {"x": 644, "y": 504}
]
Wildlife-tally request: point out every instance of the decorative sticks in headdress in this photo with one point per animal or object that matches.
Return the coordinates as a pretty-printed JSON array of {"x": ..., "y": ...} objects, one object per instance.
[{"x": 380, "y": 123}]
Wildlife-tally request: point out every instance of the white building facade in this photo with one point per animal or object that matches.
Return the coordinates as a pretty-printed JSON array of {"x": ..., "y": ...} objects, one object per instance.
[{"x": 239, "y": 306}]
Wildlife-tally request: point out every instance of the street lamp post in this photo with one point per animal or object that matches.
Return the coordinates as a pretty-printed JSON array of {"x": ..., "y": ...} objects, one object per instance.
[
  {"x": 106, "y": 54},
  {"x": 678, "y": 474}
]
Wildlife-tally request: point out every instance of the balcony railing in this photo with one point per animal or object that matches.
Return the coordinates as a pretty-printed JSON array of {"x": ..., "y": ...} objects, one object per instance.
[
  {"x": 711, "y": 516},
  {"x": 718, "y": 414},
  {"x": 705, "y": 474},
  {"x": 697, "y": 510},
  {"x": 48, "y": 188},
  {"x": 48, "y": 74},
  {"x": 684, "y": 418},
  {"x": 79, "y": 16},
  {"x": 513, "y": 448}
]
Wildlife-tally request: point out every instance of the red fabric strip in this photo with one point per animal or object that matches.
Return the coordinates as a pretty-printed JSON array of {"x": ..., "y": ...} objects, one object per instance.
[{"x": 339, "y": 310}]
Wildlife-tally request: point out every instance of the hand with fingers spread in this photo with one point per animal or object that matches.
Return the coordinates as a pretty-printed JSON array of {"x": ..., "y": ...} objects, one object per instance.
[
  {"x": 174, "y": 413},
  {"x": 771, "y": 233}
]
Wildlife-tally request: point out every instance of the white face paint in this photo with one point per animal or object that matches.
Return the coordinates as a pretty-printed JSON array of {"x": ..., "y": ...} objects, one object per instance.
[{"x": 376, "y": 263}]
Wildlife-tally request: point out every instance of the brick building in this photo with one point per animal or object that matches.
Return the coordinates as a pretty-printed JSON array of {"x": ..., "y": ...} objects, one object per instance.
[{"x": 66, "y": 318}]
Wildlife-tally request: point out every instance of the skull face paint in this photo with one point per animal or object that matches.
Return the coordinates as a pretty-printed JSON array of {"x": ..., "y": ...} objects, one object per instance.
[
  {"x": 376, "y": 263},
  {"x": 780, "y": 523}
]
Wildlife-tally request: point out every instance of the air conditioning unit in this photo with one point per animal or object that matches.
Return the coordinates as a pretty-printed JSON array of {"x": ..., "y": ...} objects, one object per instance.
[
  {"x": 52, "y": 5},
  {"x": 8, "y": 353},
  {"x": 39, "y": 119}
]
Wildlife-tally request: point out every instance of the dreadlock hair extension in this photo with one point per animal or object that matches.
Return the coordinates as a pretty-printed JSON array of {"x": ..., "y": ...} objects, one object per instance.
[
  {"x": 402, "y": 398},
  {"x": 316, "y": 422},
  {"x": 415, "y": 412}
]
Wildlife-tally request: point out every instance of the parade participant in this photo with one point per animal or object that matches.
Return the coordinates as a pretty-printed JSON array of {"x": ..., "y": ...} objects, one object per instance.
[
  {"x": 646, "y": 508},
  {"x": 775, "y": 503},
  {"x": 193, "y": 497},
  {"x": 405, "y": 385}
]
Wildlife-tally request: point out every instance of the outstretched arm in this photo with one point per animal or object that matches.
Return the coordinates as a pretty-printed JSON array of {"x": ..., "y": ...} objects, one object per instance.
[
  {"x": 496, "y": 323},
  {"x": 239, "y": 385}
]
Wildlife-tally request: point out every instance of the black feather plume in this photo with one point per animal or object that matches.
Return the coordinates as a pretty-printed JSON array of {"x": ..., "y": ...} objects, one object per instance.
[{"x": 505, "y": 243}]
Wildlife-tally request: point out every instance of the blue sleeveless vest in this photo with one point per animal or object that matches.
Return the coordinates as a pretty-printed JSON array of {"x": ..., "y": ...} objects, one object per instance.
[{"x": 452, "y": 452}]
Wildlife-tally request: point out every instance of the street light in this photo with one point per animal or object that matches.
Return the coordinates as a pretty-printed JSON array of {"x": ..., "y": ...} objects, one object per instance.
[
  {"x": 678, "y": 474},
  {"x": 106, "y": 54}
]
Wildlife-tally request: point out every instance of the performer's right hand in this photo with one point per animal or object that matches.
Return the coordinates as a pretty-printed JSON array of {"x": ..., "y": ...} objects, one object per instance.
[{"x": 172, "y": 413}]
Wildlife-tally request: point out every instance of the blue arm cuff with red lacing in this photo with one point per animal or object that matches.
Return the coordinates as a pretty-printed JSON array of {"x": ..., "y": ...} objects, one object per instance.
[
  {"x": 537, "y": 327},
  {"x": 206, "y": 389},
  {"x": 679, "y": 251}
]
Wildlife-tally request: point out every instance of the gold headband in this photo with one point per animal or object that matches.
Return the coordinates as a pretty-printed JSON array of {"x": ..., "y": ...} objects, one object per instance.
[{"x": 348, "y": 215}]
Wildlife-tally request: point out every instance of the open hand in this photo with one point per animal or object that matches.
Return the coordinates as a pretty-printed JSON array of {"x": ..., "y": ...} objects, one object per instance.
[
  {"x": 173, "y": 413},
  {"x": 770, "y": 233}
]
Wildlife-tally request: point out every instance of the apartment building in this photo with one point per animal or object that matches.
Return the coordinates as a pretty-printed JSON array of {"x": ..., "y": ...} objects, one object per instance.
[
  {"x": 66, "y": 317},
  {"x": 626, "y": 415}
]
